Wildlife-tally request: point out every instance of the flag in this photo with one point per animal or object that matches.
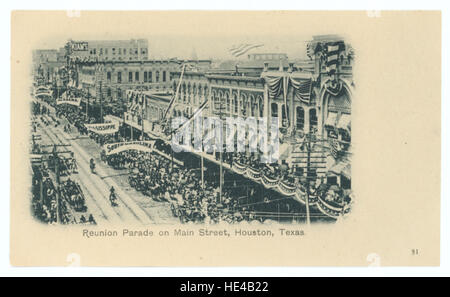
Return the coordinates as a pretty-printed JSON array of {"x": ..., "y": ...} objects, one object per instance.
[
  {"x": 332, "y": 51},
  {"x": 241, "y": 49},
  {"x": 174, "y": 97},
  {"x": 193, "y": 116},
  {"x": 335, "y": 147}
]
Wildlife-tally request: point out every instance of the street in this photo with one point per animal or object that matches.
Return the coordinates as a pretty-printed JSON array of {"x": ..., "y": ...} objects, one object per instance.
[{"x": 133, "y": 207}]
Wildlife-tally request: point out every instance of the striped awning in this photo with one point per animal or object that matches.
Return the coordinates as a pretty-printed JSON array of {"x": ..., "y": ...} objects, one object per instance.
[
  {"x": 344, "y": 122},
  {"x": 341, "y": 168}
]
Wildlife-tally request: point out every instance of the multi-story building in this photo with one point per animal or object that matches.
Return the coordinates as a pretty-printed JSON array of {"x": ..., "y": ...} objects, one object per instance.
[
  {"x": 111, "y": 79},
  {"x": 108, "y": 50},
  {"x": 46, "y": 63}
]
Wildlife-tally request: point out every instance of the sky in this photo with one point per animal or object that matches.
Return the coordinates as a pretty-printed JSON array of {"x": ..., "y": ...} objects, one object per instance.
[
  {"x": 205, "y": 47},
  {"x": 179, "y": 33}
]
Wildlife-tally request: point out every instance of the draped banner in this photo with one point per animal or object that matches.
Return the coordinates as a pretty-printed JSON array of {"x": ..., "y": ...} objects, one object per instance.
[
  {"x": 302, "y": 88},
  {"x": 69, "y": 100},
  {"x": 142, "y": 146},
  {"x": 105, "y": 128},
  {"x": 275, "y": 84},
  {"x": 296, "y": 191},
  {"x": 278, "y": 85}
]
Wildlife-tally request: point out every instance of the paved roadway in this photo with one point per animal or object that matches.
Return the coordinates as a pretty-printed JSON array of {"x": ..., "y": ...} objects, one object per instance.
[{"x": 134, "y": 207}]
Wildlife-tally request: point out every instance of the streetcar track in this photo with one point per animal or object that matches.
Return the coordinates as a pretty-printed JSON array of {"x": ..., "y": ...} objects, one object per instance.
[
  {"x": 79, "y": 149},
  {"x": 99, "y": 208},
  {"x": 93, "y": 184}
]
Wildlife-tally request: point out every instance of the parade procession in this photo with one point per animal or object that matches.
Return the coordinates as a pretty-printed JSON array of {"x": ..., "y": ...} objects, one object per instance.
[{"x": 256, "y": 138}]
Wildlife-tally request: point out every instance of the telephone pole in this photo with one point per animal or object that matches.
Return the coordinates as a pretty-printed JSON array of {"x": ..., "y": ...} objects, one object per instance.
[
  {"x": 101, "y": 103},
  {"x": 56, "y": 158},
  {"x": 313, "y": 163}
]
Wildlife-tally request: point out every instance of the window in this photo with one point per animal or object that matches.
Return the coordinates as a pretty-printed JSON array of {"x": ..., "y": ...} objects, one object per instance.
[
  {"x": 164, "y": 76},
  {"x": 119, "y": 77},
  {"x": 150, "y": 76},
  {"x": 108, "y": 76},
  {"x": 145, "y": 76},
  {"x": 274, "y": 108},
  {"x": 124, "y": 51},
  {"x": 313, "y": 119},
  {"x": 284, "y": 115},
  {"x": 95, "y": 51},
  {"x": 120, "y": 51},
  {"x": 300, "y": 118},
  {"x": 136, "y": 76},
  {"x": 157, "y": 76},
  {"x": 101, "y": 51},
  {"x": 261, "y": 107},
  {"x": 130, "y": 76},
  {"x": 106, "y": 51}
]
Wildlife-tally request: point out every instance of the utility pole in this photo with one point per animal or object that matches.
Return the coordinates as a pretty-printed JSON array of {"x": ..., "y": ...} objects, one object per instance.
[
  {"x": 312, "y": 163},
  {"x": 101, "y": 103},
  {"x": 142, "y": 116},
  {"x": 87, "y": 105},
  {"x": 202, "y": 169},
  {"x": 308, "y": 162},
  {"x": 56, "y": 155},
  {"x": 220, "y": 153}
]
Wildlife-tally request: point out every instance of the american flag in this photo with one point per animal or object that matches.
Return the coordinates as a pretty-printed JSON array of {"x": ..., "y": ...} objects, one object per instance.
[
  {"x": 332, "y": 50},
  {"x": 239, "y": 50}
]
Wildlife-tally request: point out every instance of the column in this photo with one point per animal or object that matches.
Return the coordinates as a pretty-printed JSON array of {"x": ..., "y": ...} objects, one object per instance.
[{"x": 306, "y": 127}]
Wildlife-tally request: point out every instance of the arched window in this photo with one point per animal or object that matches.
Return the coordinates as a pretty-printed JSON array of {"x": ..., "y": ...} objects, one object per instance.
[
  {"x": 253, "y": 106},
  {"x": 274, "y": 108},
  {"x": 235, "y": 104},
  {"x": 284, "y": 115},
  {"x": 188, "y": 93},
  {"x": 183, "y": 93},
  {"x": 228, "y": 102},
  {"x": 261, "y": 106},
  {"x": 313, "y": 121},
  {"x": 243, "y": 105},
  {"x": 300, "y": 118}
]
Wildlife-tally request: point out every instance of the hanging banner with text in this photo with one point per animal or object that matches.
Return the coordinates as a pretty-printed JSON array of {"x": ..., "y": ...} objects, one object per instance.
[
  {"x": 142, "y": 146},
  {"x": 68, "y": 100},
  {"x": 106, "y": 128}
]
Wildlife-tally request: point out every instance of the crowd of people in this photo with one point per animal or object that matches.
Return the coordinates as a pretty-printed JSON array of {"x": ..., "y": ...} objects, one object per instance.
[
  {"x": 50, "y": 202},
  {"x": 154, "y": 176},
  {"x": 45, "y": 200}
]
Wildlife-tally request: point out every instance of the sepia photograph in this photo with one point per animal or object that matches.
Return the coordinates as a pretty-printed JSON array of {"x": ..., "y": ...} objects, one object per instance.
[
  {"x": 225, "y": 138},
  {"x": 254, "y": 135}
]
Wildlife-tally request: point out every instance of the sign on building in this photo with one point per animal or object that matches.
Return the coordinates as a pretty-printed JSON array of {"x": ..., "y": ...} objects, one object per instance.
[{"x": 79, "y": 46}]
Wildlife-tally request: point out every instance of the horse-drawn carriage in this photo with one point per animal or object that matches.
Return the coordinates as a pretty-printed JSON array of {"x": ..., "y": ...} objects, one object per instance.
[
  {"x": 72, "y": 193},
  {"x": 65, "y": 165}
]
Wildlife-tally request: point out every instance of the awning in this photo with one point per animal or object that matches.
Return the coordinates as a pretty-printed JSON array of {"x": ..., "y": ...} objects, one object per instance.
[
  {"x": 343, "y": 168},
  {"x": 331, "y": 119},
  {"x": 344, "y": 122},
  {"x": 285, "y": 151}
]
